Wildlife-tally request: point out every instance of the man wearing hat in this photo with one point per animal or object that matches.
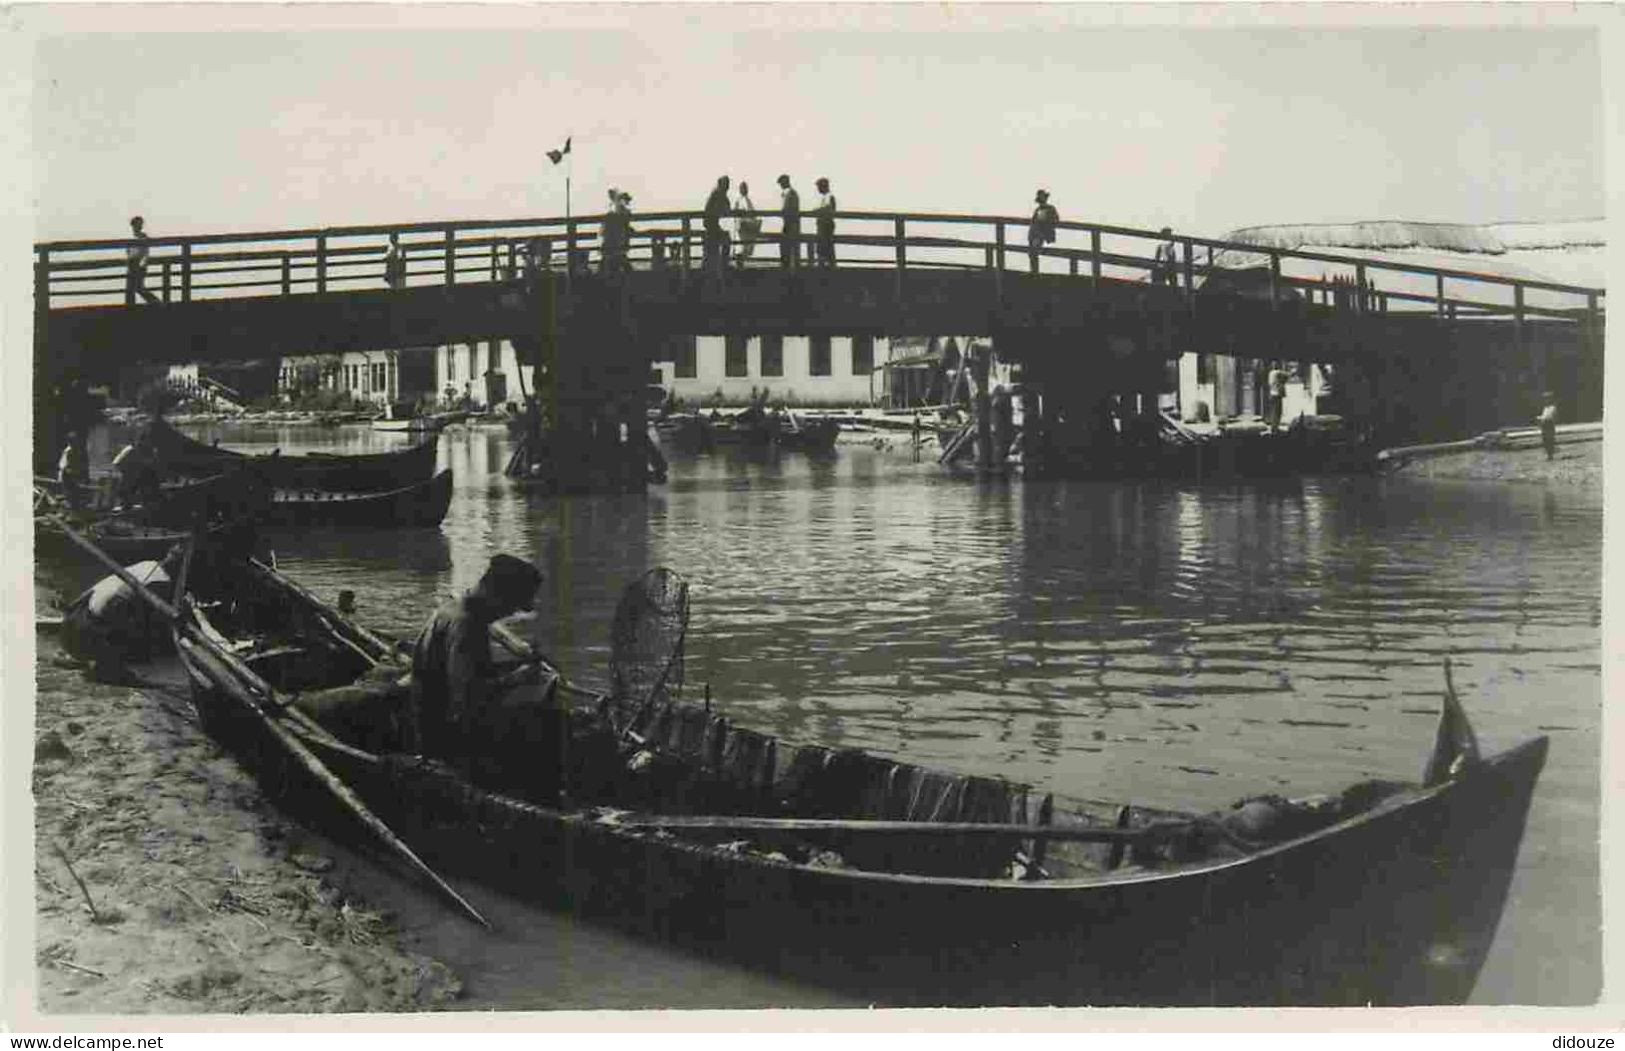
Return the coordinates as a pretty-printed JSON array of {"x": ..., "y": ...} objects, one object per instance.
[
  {"x": 790, "y": 240},
  {"x": 1041, "y": 231},
  {"x": 455, "y": 686}
]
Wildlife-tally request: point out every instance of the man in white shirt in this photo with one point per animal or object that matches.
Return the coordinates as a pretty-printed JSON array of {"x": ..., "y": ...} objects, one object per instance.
[
  {"x": 1277, "y": 386},
  {"x": 826, "y": 224},
  {"x": 747, "y": 224},
  {"x": 1548, "y": 425}
]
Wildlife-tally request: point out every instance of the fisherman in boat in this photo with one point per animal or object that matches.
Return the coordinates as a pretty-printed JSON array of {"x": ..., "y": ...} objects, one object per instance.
[
  {"x": 457, "y": 708},
  {"x": 110, "y": 626}
]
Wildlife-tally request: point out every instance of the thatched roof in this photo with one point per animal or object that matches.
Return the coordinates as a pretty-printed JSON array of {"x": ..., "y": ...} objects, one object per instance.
[
  {"x": 1385, "y": 235},
  {"x": 1565, "y": 253}
]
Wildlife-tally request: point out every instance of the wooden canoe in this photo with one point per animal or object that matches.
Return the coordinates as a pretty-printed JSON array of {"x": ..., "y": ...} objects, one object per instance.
[
  {"x": 179, "y": 454},
  {"x": 410, "y": 507},
  {"x": 1389, "y": 894}
]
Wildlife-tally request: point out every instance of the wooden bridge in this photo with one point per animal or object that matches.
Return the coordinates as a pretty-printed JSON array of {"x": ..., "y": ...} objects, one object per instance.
[
  {"x": 1440, "y": 352},
  {"x": 251, "y": 295}
]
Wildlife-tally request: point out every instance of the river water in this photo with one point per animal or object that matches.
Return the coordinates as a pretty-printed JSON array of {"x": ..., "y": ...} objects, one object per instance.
[{"x": 1179, "y": 645}]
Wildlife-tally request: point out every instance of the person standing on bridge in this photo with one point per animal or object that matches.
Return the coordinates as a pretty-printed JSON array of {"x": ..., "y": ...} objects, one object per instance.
[
  {"x": 717, "y": 207},
  {"x": 790, "y": 237},
  {"x": 1166, "y": 260},
  {"x": 394, "y": 262},
  {"x": 748, "y": 224},
  {"x": 826, "y": 225},
  {"x": 135, "y": 275},
  {"x": 1041, "y": 230},
  {"x": 617, "y": 233}
]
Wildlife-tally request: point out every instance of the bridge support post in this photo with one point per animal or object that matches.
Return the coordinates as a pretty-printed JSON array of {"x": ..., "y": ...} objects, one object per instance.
[{"x": 978, "y": 364}]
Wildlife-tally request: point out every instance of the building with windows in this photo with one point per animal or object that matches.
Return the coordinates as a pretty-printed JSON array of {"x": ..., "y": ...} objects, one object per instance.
[
  {"x": 798, "y": 370},
  {"x": 378, "y": 377}
]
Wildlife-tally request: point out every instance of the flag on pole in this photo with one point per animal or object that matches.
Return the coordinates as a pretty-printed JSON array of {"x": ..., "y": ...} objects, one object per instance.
[{"x": 558, "y": 155}]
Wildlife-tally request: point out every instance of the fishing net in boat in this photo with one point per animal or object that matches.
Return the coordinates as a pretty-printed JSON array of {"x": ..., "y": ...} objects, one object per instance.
[{"x": 646, "y": 642}]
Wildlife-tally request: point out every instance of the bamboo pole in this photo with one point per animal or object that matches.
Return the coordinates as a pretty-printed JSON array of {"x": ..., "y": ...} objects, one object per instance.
[
  {"x": 746, "y": 823},
  {"x": 188, "y": 634}
]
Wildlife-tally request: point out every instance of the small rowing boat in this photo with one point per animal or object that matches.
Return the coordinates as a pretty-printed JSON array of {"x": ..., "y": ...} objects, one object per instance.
[
  {"x": 905, "y": 885},
  {"x": 413, "y": 506},
  {"x": 430, "y": 424}
]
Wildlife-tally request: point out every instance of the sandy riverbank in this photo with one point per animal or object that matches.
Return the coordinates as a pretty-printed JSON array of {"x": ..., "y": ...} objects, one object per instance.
[
  {"x": 1576, "y": 463},
  {"x": 205, "y": 899}
]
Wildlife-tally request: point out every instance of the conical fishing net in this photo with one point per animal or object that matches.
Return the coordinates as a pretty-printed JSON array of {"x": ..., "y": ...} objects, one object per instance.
[{"x": 646, "y": 642}]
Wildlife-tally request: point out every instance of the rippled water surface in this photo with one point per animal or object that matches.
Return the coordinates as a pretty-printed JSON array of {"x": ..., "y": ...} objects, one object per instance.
[{"x": 1179, "y": 645}]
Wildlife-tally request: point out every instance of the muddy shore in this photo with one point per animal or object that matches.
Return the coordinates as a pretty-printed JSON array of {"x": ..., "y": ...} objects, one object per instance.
[
  {"x": 1576, "y": 463},
  {"x": 201, "y": 898}
]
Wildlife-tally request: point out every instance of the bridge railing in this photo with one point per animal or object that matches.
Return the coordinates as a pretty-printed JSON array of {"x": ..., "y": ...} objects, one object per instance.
[{"x": 348, "y": 259}]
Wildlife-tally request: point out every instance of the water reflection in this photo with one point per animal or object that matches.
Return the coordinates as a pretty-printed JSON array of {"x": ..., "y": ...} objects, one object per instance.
[{"x": 1181, "y": 640}]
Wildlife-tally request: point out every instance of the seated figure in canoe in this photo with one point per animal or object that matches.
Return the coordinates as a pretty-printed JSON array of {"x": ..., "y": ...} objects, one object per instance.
[{"x": 463, "y": 708}]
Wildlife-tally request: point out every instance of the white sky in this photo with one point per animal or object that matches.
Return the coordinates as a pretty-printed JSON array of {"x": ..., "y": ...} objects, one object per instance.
[{"x": 922, "y": 109}]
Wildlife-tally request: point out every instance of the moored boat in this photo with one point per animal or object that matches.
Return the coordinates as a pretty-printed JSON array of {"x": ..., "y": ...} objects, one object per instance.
[
  {"x": 429, "y": 424},
  {"x": 179, "y": 454},
  {"x": 750, "y": 428},
  {"x": 903, "y": 884},
  {"x": 413, "y": 506},
  {"x": 810, "y": 434},
  {"x": 129, "y": 540}
]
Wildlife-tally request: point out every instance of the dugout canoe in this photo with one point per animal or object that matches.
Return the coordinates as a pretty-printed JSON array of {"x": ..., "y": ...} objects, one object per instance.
[
  {"x": 823, "y": 863},
  {"x": 409, "y": 507},
  {"x": 327, "y": 472}
]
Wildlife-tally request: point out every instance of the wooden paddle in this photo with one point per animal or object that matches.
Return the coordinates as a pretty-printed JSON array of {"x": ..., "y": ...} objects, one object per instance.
[
  {"x": 263, "y": 694},
  {"x": 745, "y": 823}
]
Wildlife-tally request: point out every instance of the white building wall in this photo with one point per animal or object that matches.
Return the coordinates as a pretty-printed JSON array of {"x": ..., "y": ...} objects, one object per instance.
[
  {"x": 458, "y": 364},
  {"x": 796, "y": 386},
  {"x": 1301, "y": 397}
]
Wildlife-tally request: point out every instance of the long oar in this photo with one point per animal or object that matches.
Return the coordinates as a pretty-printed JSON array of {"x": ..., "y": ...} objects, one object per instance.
[
  {"x": 308, "y": 759},
  {"x": 745, "y": 823}
]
